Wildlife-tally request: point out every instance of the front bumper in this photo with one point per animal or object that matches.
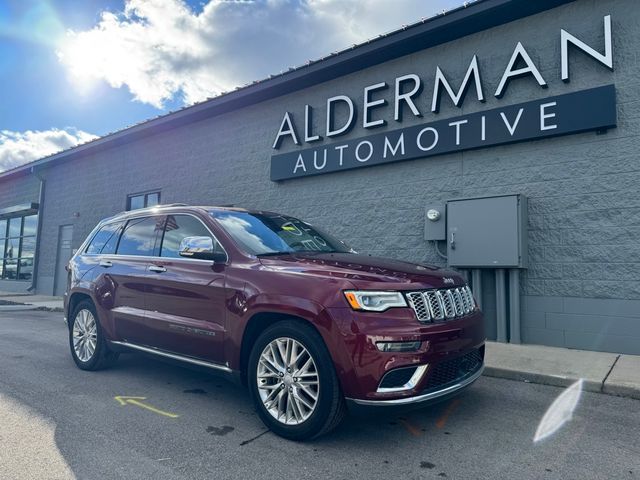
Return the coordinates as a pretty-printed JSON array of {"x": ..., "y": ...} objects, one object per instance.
[
  {"x": 429, "y": 396},
  {"x": 361, "y": 366}
]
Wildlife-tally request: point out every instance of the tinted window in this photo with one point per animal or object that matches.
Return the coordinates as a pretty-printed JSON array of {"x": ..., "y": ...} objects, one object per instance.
[
  {"x": 179, "y": 227},
  {"x": 14, "y": 226},
  {"x": 139, "y": 236},
  {"x": 271, "y": 233},
  {"x": 136, "y": 202},
  {"x": 153, "y": 199},
  {"x": 106, "y": 240},
  {"x": 30, "y": 225}
]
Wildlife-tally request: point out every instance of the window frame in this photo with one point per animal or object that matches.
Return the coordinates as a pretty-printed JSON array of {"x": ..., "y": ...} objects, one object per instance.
[
  {"x": 95, "y": 233},
  {"x": 124, "y": 229},
  {"x": 145, "y": 196},
  {"x": 4, "y": 239},
  {"x": 126, "y": 220},
  {"x": 213, "y": 237}
]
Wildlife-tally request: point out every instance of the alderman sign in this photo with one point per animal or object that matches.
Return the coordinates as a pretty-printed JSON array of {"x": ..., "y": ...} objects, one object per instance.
[
  {"x": 383, "y": 103},
  {"x": 593, "y": 109}
]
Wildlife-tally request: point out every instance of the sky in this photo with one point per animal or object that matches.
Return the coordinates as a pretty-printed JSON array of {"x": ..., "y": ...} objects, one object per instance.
[{"x": 74, "y": 70}]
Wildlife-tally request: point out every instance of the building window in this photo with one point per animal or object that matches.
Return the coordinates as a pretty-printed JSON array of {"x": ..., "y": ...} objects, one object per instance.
[
  {"x": 143, "y": 200},
  {"x": 17, "y": 247}
]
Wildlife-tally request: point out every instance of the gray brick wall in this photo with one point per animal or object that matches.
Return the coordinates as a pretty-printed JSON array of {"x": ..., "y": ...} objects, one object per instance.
[
  {"x": 18, "y": 190},
  {"x": 584, "y": 202}
]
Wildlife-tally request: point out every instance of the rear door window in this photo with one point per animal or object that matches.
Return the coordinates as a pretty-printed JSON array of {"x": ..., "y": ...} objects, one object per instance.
[
  {"x": 140, "y": 236},
  {"x": 106, "y": 240}
]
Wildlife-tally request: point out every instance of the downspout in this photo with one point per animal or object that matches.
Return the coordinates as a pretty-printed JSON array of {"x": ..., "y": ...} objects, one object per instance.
[{"x": 36, "y": 260}]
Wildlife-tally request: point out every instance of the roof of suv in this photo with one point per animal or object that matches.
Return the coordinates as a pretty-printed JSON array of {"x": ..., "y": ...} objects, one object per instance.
[{"x": 174, "y": 207}]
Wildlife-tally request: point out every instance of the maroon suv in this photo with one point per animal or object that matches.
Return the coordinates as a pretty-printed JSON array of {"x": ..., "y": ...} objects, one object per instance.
[{"x": 309, "y": 325}]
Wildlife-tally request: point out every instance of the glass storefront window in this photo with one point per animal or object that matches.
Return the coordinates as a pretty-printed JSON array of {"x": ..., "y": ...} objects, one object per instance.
[
  {"x": 15, "y": 225},
  {"x": 17, "y": 247}
]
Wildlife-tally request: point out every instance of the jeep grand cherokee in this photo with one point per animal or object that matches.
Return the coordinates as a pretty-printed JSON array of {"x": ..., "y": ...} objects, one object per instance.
[{"x": 307, "y": 324}]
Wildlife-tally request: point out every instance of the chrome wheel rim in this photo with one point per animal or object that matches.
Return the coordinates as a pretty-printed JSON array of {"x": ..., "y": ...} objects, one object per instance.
[
  {"x": 85, "y": 335},
  {"x": 288, "y": 381}
]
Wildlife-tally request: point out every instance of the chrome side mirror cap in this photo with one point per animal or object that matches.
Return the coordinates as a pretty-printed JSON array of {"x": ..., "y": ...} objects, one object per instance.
[{"x": 200, "y": 248}]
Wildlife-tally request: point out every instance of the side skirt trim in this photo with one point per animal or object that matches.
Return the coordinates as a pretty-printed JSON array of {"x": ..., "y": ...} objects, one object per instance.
[{"x": 174, "y": 356}]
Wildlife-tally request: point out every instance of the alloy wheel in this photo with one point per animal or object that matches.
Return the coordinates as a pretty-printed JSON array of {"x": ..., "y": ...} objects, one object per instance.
[
  {"x": 85, "y": 335},
  {"x": 288, "y": 381}
]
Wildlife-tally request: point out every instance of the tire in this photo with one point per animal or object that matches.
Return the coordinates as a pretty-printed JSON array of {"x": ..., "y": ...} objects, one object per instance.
[
  {"x": 85, "y": 319},
  {"x": 285, "y": 392}
]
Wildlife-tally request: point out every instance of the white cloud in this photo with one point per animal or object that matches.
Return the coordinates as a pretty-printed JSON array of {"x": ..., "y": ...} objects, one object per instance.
[
  {"x": 17, "y": 148},
  {"x": 162, "y": 48}
]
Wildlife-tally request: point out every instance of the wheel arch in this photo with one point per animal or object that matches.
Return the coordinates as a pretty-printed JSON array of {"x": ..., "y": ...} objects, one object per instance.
[
  {"x": 74, "y": 300},
  {"x": 257, "y": 324}
]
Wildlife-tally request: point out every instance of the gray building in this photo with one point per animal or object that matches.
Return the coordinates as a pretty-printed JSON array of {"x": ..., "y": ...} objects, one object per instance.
[{"x": 536, "y": 99}]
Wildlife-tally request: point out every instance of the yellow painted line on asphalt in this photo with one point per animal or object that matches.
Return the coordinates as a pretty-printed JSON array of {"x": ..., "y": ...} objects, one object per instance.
[{"x": 138, "y": 402}]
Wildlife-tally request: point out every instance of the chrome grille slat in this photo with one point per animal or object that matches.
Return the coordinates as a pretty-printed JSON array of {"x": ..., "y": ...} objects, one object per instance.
[
  {"x": 419, "y": 305},
  {"x": 435, "y": 307},
  {"x": 465, "y": 299},
  {"x": 469, "y": 295},
  {"x": 441, "y": 304},
  {"x": 447, "y": 302},
  {"x": 457, "y": 301}
]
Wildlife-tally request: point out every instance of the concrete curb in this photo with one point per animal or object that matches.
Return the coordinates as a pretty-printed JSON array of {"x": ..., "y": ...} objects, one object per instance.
[
  {"x": 541, "y": 378},
  {"x": 601, "y": 372},
  {"x": 17, "y": 308}
]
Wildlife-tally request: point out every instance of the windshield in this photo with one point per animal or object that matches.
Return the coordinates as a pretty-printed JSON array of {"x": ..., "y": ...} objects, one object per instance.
[{"x": 271, "y": 233}]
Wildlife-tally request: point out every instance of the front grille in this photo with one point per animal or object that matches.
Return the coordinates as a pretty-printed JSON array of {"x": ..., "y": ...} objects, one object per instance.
[
  {"x": 452, "y": 370},
  {"x": 441, "y": 304},
  {"x": 397, "y": 378}
]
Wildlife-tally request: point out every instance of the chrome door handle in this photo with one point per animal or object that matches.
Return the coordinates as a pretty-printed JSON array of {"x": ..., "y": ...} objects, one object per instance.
[
  {"x": 157, "y": 268},
  {"x": 106, "y": 263}
]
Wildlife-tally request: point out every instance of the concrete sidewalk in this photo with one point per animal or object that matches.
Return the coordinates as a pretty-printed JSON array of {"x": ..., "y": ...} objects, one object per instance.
[
  {"x": 21, "y": 301},
  {"x": 610, "y": 373}
]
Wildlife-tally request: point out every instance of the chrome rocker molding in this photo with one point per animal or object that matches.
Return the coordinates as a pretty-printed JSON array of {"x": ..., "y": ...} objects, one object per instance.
[
  {"x": 173, "y": 356},
  {"x": 420, "y": 398}
]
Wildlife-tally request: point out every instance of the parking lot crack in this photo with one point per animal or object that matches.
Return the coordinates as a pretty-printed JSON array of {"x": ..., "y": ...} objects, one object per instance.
[{"x": 609, "y": 373}]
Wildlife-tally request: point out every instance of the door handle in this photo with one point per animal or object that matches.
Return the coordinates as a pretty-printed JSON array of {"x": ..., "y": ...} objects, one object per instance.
[
  {"x": 106, "y": 263},
  {"x": 157, "y": 268}
]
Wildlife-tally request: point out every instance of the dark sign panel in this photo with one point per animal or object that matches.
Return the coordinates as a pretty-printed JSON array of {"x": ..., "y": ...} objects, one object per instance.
[{"x": 586, "y": 110}]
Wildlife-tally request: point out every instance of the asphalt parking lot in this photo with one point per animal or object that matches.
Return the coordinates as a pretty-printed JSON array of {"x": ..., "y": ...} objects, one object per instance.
[{"x": 60, "y": 422}]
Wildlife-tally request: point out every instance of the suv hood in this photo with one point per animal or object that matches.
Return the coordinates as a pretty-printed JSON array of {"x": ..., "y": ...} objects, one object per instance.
[{"x": 365, "y": 271}]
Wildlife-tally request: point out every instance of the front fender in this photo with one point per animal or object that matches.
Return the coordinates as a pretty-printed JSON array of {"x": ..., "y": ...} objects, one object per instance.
[{"x": 274, "y": 304}]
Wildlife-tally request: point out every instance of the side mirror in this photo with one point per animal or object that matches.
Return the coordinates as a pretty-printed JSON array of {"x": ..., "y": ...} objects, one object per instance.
[{"x": 200, "y": 248}]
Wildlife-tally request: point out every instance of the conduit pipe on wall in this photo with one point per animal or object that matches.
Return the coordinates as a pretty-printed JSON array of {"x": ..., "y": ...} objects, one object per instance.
[
  {"x": 514, "y": 305},
  {"x": 501, "y": 306},
  {"x": 476, "y": 282}
]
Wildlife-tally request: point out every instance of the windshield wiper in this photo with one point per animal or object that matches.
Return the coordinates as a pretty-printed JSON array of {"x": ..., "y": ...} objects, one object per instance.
[{"x": 271, "y": 254}]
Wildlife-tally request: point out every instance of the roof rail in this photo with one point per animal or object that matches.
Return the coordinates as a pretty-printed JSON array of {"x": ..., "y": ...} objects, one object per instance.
[{"x": 149, "y": 208}]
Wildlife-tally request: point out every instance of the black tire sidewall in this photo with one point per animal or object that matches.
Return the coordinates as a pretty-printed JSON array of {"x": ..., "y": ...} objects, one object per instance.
[
  {"x": 314, "y": 344},
  {"x": 94, "y": 362}
]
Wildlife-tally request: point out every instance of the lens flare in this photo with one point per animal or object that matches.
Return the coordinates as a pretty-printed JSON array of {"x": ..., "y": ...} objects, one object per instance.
[{"x": 560, "y": 412}]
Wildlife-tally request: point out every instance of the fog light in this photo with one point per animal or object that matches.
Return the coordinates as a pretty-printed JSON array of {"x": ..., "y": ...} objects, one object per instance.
[{"x": 398, "y": 346}]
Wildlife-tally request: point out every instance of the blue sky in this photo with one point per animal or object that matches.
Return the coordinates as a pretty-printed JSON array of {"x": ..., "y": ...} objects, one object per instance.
[{"x": 71, "y": 70}]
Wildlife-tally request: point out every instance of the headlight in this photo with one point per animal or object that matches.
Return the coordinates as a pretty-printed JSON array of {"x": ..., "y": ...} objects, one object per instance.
[{"x": 374, "y": 301}]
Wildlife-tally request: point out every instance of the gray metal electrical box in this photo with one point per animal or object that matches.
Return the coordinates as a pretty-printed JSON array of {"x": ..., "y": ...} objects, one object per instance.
[
  {"x": 435, "y": 222},
  {"x": 487, "y": 232}
]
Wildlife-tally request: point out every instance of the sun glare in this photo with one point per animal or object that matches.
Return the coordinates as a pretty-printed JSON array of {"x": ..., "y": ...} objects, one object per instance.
[{"x": 82, "y": 61}]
